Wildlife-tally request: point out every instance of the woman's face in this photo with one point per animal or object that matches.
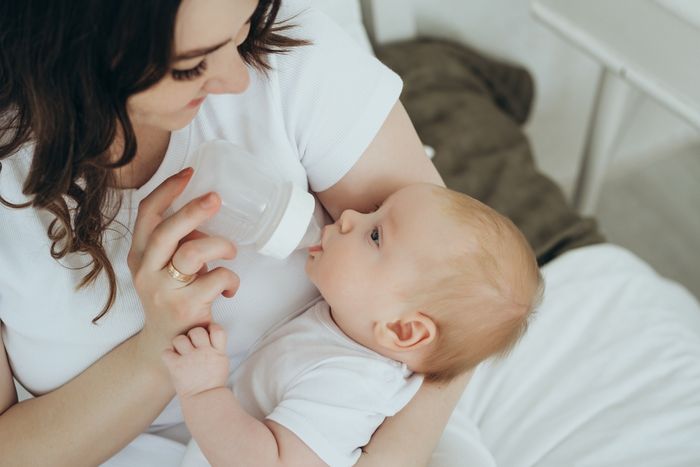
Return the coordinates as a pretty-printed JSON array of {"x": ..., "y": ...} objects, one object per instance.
[{"x": 207, "y": 36}]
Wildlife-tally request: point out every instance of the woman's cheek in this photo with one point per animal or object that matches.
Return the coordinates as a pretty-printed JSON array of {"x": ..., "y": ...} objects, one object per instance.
[
  {"x": 178, "y": 100},
  {"x": 170, "y": 96}
]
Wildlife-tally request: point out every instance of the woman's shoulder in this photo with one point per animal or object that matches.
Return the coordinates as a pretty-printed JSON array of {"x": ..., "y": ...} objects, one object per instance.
[{"x": 324, "y": 36}]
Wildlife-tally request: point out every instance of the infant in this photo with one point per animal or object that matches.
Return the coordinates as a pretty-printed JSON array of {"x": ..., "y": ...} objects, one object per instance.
[{"x": 427, "y": 286}]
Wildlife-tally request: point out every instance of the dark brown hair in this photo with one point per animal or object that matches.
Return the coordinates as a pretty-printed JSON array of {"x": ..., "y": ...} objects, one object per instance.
[{"x": 67, "y": 68}]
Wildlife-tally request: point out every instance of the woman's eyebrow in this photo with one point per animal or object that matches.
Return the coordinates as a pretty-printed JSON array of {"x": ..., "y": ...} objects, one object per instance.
[
  {"x": 199, "y": 52},
  {"x": 206, "y": 50}
]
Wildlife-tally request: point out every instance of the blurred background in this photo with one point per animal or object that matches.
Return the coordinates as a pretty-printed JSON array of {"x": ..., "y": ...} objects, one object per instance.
[{"x": 650, "y": 199}]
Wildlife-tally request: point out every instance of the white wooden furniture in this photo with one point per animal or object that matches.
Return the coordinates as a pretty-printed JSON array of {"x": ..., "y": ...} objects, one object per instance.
[
  {"x": 654, "y": 45},
  {"x": 378, "y": 21}
]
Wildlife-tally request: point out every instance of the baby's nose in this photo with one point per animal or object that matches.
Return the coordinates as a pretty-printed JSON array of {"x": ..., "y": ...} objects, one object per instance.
[{"x": 345, "y": 221}]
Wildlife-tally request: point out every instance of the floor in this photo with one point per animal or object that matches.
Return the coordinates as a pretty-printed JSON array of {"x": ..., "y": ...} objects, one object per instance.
[{"x": 654, "y": 210}]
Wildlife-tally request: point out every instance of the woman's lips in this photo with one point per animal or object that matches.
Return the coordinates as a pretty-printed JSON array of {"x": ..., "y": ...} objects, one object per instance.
[
  {"x": 315, "y": 248},
  {"x": 195, "y": 102}
]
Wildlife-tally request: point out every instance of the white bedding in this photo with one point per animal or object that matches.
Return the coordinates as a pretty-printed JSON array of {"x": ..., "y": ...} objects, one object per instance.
[{"x": 607, "y": 375}]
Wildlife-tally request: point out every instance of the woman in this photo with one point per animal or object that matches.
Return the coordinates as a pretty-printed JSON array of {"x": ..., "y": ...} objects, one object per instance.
[{"x": 101, "y": 103}]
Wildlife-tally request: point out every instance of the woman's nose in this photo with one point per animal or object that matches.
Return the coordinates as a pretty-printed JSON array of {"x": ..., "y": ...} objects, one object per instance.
[{"x": 233, "y": 78}]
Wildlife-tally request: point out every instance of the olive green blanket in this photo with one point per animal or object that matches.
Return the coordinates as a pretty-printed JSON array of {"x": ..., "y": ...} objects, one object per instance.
[{"x": 470, "y": 108}]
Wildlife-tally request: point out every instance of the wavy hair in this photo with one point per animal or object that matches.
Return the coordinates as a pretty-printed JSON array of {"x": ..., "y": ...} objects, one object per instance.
[{"x": 67, "y": 68}]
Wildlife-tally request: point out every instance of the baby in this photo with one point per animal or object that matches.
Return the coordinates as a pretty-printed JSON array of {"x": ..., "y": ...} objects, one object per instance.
[{"x": 427, "y": 286}]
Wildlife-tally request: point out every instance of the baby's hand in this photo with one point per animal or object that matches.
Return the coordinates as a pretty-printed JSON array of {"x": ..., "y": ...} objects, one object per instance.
[{"x": 198, "y": 362}]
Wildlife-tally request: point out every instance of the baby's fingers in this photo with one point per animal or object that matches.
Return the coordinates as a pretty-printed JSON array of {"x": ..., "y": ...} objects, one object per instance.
[
  {"x": 217, "y": 335},
  {"x": 183, "y": 345},
  {"x": 199, "y": 337}
]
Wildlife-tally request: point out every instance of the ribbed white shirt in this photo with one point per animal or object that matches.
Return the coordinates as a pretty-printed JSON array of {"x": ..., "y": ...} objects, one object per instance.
[{"x": 310, "y": 118}]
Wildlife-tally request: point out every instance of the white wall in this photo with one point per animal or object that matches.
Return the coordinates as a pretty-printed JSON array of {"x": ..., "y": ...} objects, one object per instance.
[{"x": 566, "y": 81}]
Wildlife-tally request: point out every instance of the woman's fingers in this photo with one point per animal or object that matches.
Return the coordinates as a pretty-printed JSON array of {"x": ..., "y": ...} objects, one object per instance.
[
  {"x": 191, "y": 257},
  {"x": 176, "y": 299},
  {"x": 152, "y": 207},
  {"x": 219, "y": 281},
  {"x": 194, "y": 236},
  {"x": 166, "y": 236}
]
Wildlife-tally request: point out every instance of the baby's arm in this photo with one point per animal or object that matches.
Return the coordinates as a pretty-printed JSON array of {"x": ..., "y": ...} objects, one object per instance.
[{"x": 225, "y": 432}]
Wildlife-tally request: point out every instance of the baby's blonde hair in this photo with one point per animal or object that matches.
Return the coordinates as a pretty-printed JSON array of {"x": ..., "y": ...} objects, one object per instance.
[{"x": 481, "y": 299}]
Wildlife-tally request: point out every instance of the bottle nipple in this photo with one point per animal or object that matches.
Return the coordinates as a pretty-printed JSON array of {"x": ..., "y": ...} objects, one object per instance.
[{"x": 312, "y": 236}]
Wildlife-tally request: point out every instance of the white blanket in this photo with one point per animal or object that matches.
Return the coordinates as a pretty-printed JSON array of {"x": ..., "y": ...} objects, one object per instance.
[{"x": 607, "y": 375}]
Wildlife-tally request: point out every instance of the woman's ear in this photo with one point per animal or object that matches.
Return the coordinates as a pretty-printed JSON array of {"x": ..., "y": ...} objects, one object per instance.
[{"x": 410, "y": 332}]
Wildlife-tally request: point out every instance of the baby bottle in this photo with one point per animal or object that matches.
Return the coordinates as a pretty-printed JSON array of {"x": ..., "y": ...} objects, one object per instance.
[{"x": 258, "y": 208}]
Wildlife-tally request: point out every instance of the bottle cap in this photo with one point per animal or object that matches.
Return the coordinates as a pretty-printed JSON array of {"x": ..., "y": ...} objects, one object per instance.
[{"x": 292, "y": 225}]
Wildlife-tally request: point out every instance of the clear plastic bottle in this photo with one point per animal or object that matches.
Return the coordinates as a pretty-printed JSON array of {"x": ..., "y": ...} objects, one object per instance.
[{"x": 258, "y": 208}]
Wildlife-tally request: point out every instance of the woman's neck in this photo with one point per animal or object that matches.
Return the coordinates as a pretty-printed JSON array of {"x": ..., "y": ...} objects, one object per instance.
[{"x": 152, "y": 146}]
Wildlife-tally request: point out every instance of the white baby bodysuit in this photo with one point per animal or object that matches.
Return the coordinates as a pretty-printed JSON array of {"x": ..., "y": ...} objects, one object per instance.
[{"x": 309, "y": 377}]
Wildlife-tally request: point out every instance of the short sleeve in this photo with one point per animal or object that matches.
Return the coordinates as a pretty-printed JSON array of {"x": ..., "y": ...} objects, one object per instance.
[
  {"x": 334, "y": 95},
  {"x": 335, "y": 408}
]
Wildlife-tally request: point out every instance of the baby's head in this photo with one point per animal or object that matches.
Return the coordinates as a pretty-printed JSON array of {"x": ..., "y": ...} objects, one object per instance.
[{"x": 432, "y": 278}]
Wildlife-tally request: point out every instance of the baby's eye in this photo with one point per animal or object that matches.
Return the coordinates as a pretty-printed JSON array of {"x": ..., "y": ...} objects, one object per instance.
[{"x": 375, "y": 235}]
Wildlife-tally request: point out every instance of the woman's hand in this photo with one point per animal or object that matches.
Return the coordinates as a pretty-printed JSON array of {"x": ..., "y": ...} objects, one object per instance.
[{"x": 171, "y": 306}]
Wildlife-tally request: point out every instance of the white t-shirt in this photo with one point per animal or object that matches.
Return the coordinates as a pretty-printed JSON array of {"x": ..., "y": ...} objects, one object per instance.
[
  {"x": 311, "y": 118},
  {"x": 330, "y": 391}
]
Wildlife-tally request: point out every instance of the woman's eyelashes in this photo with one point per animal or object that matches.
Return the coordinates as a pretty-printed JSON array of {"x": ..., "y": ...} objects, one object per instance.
[{"x": 190, "y": 74}]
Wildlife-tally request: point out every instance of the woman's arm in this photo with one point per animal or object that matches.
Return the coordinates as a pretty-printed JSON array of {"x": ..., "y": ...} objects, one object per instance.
[
  {"x": 394, "y": 159},
  {"x": 93, "y": 416},
  {"x": 8, "y": 394},
  {"x": 408, "y": 438}
]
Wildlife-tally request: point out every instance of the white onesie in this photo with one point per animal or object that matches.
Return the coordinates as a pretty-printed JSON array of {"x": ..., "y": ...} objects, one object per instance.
[{"x": 309, "y": 377}]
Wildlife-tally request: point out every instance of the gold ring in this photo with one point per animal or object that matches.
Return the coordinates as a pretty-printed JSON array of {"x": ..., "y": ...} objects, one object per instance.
[{"x": 178, "y": 276}]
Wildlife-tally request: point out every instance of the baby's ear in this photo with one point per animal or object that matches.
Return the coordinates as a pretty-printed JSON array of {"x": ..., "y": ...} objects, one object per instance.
[{"x": 410, "y": 332}]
